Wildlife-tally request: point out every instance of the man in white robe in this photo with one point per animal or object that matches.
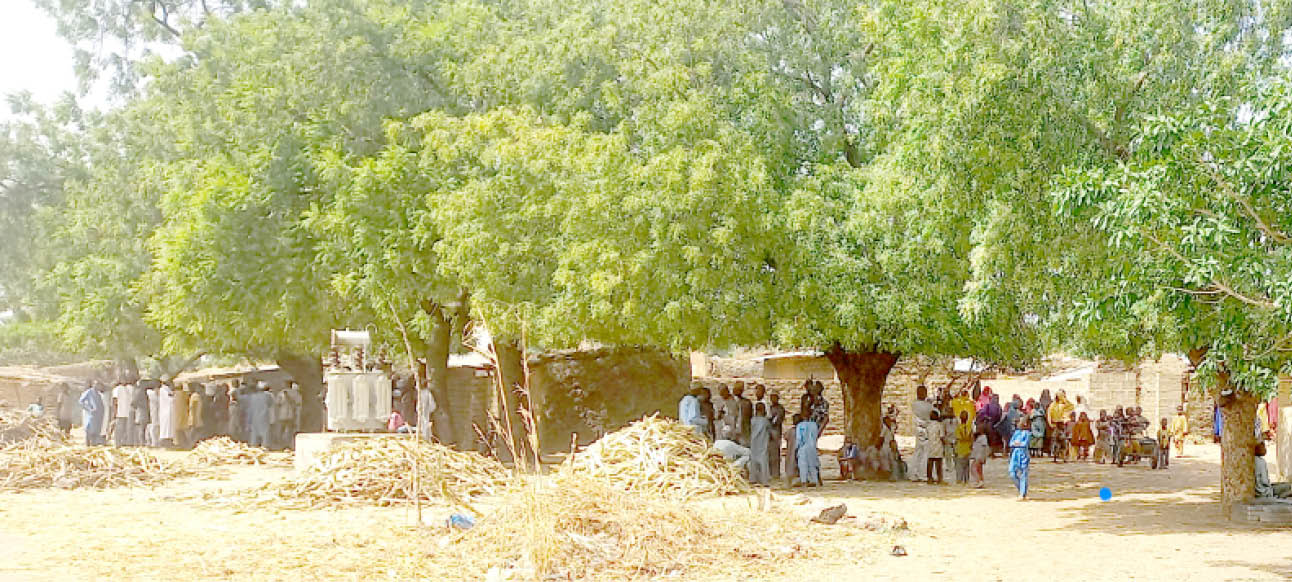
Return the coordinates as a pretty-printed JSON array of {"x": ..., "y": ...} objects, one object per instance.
[{"x": 920, "y": 410}]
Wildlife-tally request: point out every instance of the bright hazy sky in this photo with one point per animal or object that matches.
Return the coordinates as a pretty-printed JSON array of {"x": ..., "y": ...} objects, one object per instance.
[{"x": 32, "y": 56}]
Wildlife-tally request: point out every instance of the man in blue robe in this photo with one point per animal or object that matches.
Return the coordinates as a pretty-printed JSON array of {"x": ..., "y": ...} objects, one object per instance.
[
  {"x": 92, "y": 413},
  {"x": 805, "y": 451}
]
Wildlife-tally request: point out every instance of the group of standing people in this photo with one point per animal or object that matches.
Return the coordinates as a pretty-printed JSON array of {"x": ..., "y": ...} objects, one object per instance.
[
  {"x": 752, "y": 432},
  {"x": 157, "y": 413},
  {"x": 972, "y": 427}
]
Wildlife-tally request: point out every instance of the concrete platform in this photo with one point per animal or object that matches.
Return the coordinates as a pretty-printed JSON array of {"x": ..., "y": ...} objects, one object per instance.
[{"x": 310, "y": 446}]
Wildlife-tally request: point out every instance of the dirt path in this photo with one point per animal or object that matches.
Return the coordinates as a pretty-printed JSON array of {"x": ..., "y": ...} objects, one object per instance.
[{"x": 1159, "y": 525}]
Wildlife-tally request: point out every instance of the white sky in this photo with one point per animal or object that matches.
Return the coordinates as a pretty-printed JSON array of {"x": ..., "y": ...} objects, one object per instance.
[{"x": 32, "y": 56}]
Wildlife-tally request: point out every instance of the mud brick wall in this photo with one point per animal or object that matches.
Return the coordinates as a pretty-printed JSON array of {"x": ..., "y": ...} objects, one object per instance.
[{"x": 590, "y": 393}]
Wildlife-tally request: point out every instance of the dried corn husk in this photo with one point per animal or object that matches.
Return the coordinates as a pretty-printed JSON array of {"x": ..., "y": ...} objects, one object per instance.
[
  {"x": 224, "y": 450},
  {"x": 34, "y": 465},
  {"x": 588, "y": 529},
  {"x": 659, "y": 456},
  {"x": 381, "y": 471},
  {"x": 17, "y": 428}
]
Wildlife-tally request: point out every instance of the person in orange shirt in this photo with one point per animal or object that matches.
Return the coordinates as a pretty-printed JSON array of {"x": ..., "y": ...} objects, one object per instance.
[{"x": 1179, "y": 428}]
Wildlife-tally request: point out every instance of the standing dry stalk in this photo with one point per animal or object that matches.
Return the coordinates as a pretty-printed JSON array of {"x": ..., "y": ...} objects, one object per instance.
[{"x": 417, "y": 387}]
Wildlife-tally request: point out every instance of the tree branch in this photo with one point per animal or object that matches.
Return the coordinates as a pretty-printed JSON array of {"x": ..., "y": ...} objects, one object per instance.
[
  {"x": 1219, "y": 286},
  {"x": 1228, "y": 189},
  {"x": 164, "y": 20}
]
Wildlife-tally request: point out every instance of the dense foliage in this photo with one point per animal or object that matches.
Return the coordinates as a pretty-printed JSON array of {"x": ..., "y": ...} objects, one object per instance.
[{"x": 986, "y": 179}]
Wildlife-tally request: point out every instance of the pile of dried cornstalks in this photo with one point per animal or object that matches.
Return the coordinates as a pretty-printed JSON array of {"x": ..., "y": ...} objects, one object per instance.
[
  {"x": 587, "y": 529},
  {"x": 387, "y": 471},
  {"x": 34, "y": 465},
  {"x": 17, "y": 428},
  {"x": 224, "y": 450},
  {"x": 659, "y": 456}
]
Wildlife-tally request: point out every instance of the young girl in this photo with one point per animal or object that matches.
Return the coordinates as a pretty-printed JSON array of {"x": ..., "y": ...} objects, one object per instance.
[
  {"x": 1019, "y": 456},
  {"x": 964, "y": 446},
  {"x": 936, "y": 434},
  {"x": 1083, "y": 437},
  {"x": 1038, "y": 425},
  {"x": 978, "y": 458}
]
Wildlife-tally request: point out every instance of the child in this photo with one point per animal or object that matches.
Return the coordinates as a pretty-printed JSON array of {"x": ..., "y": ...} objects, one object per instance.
[
  {"x": 1083, "y": 437},
  {"x": 981, "y": 450},
  {"x": 1038, "y": 425},
  {"x": 1059, "y": 445},
  {"x": 1020, "y": 456},
  {"x": 849, "y": 459},
  {"x": 1179, "y": 430},
  {"x": 1164, "y": 445},
  {"x": 964, "y": 446},
  {"x": 890, "y": 458},
  {"x": 936, "y": 434}
]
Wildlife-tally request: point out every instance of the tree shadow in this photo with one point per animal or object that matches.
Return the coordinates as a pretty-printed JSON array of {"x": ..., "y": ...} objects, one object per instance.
[
  {"x": 1283, "y": 568},
  {"x": 1182, "y": 499}
]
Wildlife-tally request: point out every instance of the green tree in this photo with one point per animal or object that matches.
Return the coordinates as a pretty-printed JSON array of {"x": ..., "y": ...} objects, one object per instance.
[
  {"x": 1201, "y": 210},
  {"x": 1003, "y": 100},
  {"x": 41, "y": 149},
  {"x": 707, "y": 176}
]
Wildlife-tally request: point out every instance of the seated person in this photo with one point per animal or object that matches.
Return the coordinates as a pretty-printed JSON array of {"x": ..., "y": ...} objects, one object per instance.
[
  {"x": 1265, "y": 489},
  {"x": 849, "y": 459},
  {"x": 733, "y": 452}
]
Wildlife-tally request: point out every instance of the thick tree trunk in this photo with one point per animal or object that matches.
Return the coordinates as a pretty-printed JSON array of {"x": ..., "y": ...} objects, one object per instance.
[
  {"x": 511, "y": 372},
  {"x": 862, "y": 375},
  {"x": 127, "y": 369},
  {"x": 307, "y": 371},
  {"x": 437, "y": 375},
  {"x": 1237, "y": 438}
]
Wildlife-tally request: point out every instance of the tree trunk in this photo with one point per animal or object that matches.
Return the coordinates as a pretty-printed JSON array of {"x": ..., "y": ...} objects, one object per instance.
[
  {"x": 127, "y": 369},
  {"x": 307, "y": 371},
  {"x": 862, "y": 375},
  {"x": 511, "y": 372},
  {"x": 437, "y": 375},
  {"x": 1237, "y": 437}
]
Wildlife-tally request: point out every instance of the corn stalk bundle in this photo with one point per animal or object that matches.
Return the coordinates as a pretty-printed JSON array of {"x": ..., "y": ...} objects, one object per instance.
[
  {"x": 659, "y": 456},
  {"x": 17, "y": 428},
  {"x": 587, "y": 529},
  {"x": 224, "y": 450},
  {"x": 34, "y": 466},
  {"x": 382, "y": 471}
]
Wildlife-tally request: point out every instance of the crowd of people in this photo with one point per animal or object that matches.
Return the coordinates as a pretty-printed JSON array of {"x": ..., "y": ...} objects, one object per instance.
[
  {"x": 973, "y": 427},
  {"x": 156, "y": 413},
  {"x": 751, "y": 432},
  {"x": 966, "y": 430}
]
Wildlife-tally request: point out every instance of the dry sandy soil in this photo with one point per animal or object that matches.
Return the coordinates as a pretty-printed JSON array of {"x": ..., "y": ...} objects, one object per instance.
[{"x": 1159, "y": 525}]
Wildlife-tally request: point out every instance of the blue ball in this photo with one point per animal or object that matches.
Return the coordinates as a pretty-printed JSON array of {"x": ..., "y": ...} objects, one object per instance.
[{"x": 1105, "y": 493}]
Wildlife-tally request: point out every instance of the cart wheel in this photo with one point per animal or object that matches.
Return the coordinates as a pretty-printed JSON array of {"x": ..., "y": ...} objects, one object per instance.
[
  {"x": 1153, "y": 463},
  {"x": 1121, "y": 459}
]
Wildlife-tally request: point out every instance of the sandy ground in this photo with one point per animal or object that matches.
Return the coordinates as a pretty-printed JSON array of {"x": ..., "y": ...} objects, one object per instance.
[{"x": 1159, "y": 525}]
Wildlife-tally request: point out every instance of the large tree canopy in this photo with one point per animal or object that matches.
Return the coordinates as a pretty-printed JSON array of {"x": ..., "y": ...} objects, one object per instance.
[{"x": 872, "y": 180}]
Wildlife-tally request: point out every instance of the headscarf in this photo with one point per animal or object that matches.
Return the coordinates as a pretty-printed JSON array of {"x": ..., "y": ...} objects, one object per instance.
[
  {"x": 1045, "y": 400},
  {"x": 983, "y": 399},
  {"x": 1027, "y": 408},
  {"x": 992, "y": 410}
]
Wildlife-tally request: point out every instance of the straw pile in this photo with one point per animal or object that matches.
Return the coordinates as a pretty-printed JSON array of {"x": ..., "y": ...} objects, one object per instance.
[
  {"x": 33, "y": 466},
  {"x": 224, "y": 450},
  {"x": 591, "y": 530},
  {"x": 388, "y": 471},
  {"x": 659, "y": 456},
  {"x": 17, "y": 428}
]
